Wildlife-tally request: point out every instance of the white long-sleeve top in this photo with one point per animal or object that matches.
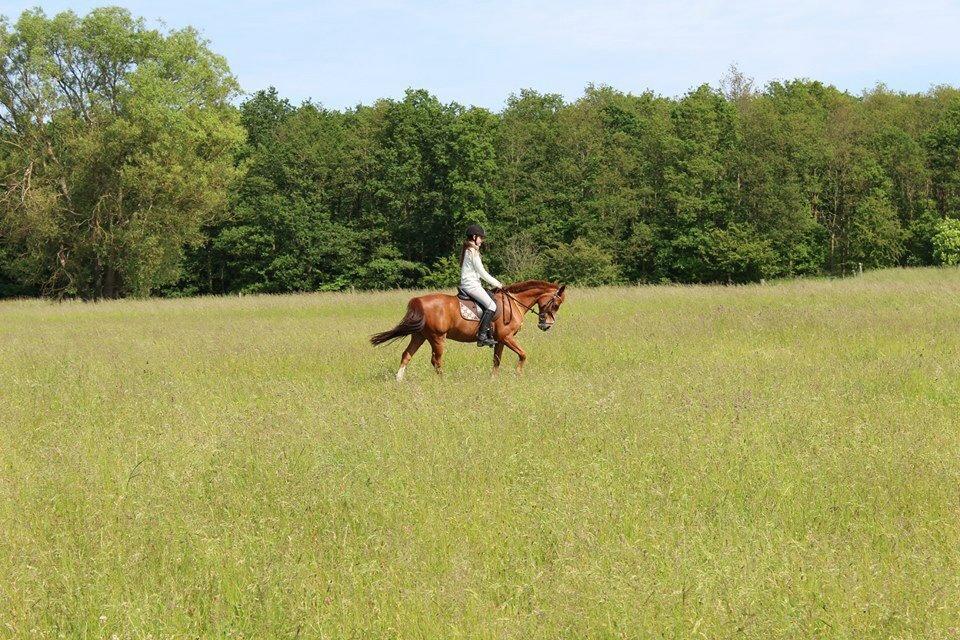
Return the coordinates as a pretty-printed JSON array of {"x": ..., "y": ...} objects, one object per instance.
[{"x": 472, "y": 271}]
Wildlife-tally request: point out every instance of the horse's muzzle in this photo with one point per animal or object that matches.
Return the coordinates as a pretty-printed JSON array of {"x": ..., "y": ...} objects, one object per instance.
[{"x": 544, "y": 326}]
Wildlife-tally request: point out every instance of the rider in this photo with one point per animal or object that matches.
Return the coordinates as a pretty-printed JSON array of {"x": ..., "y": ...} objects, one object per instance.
[{"x": 471, "y": 272}]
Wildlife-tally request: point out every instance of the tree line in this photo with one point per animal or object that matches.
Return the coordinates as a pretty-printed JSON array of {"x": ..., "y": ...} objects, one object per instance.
[{"x": 133, "y": 166}]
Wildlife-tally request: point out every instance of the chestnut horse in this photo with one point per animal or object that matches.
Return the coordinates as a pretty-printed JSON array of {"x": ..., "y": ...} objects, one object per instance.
[{"x": 436, "y": 317}]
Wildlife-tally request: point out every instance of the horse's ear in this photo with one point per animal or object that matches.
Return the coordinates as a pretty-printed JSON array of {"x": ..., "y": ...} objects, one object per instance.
[{"x": 560, "y": 290}]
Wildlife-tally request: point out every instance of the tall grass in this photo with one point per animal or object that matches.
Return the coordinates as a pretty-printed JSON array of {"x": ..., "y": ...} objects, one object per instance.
[{"x": 679, "y": 462}]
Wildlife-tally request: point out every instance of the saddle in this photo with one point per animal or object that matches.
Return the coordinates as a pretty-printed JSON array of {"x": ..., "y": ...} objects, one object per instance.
[{"x": 470, "y": 310}]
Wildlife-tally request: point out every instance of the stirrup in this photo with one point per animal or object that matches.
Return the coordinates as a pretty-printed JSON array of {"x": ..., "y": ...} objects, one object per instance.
[{"x": 486, "y": 341}]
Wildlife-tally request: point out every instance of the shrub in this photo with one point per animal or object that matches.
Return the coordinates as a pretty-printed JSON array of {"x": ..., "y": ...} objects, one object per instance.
[
  {"x": 387, "y": 270},
  {"x": 737, "y": 254},
  {"x": 582, "y": 263},
  {"x": 946, "y": 242},
  {"x": 519, "y": 258},
  {"x": 444, "y": 274}
]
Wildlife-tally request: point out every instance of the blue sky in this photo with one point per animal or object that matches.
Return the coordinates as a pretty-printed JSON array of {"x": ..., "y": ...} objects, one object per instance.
[{"x": 342, "y": 54}]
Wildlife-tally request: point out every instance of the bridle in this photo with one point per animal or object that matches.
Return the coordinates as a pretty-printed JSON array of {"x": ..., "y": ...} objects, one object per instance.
[{"x": 542, "y": 314}]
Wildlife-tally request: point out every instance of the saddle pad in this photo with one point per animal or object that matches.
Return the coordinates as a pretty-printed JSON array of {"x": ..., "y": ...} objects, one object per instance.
[{"x": 470, "y": 311}]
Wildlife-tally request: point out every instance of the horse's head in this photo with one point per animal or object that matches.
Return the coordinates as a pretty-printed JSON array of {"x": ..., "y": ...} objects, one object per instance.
[{"x": 549, "y": 303}]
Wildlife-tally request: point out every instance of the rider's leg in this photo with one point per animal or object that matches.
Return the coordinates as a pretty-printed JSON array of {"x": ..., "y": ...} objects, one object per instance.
[{"x": 485, "y": 334}]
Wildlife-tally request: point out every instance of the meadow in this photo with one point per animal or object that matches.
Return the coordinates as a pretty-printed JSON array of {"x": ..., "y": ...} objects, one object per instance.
[{"x": 778, "y": 461}]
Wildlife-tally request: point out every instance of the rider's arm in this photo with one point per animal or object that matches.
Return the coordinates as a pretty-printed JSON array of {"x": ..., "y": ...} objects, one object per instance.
[{"x": 478, "y": 265}]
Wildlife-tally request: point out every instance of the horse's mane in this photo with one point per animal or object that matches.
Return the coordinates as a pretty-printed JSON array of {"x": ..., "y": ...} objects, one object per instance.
[{"x": 520, "y": 287}]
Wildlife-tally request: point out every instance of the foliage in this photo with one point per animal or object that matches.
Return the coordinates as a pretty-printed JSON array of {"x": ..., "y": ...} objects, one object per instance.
[
  {"x": 739, "y": 254},
  {"x": 581, "y": 263},
  {"x": 946, "y": 242},
  {"x": 126, "y": 174},
  {"x": 120, "y": 145},
  {"x": 388, "y": 270},
  {"x": 517, "y": 257},
  {"x": 876, "y": 239},
  {"x": 444, "y": 274}
]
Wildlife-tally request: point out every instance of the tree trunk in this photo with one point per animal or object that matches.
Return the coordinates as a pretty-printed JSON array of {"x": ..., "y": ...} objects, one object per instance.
[{"x": 110, "y": 283}]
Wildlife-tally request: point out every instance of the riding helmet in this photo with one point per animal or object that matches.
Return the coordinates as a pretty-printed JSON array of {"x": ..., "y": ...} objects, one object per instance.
[{"x": 475, "y": 230}]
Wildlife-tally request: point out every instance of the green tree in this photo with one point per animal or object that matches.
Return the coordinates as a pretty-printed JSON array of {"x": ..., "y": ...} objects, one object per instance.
[
  {"x": 283, "y": 233},
  {"x": 875, "y": 238},
  {"x": 429, "y": 174},
  {"x": 121, "y": 144},
  {"x": 533, "y": 164},
  {"x": 698, "y": 185},
  {"x": 943, "y": 144},
  {"x": 780, "y": 152}
]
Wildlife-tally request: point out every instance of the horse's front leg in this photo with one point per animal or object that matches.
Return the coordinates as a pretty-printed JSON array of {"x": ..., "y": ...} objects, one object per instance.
[
  {"x": 497, "y": 354},
  {"x": 512, "y": 344}
]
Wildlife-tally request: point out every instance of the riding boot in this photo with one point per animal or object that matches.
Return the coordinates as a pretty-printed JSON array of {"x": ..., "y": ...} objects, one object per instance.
[{"x": 485, "y": 334}]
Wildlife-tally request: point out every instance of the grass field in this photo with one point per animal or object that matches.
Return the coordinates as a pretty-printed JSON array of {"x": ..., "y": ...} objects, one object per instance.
[{"x": 677, "y": 462}]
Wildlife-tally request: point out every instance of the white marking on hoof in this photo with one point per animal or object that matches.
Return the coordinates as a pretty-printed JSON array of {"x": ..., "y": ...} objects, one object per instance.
[{"x": 400, "y": 373}]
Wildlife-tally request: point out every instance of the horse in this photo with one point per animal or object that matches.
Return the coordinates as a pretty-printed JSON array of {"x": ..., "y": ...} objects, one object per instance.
[{"x": 435, "y": 317}]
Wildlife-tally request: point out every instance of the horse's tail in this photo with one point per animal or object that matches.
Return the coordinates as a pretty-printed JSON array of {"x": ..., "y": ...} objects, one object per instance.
[{"x": 412, "y": 323}]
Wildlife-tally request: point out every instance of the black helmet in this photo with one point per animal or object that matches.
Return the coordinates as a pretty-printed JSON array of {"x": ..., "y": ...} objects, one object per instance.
[{"x": 475, "y": 230}]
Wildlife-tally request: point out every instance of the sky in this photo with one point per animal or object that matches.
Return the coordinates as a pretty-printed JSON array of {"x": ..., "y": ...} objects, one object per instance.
[{"x": 341, "y": 54}]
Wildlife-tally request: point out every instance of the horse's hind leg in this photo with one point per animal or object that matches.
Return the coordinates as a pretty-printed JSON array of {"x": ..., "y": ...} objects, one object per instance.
[
  {"x": 436, "y": 343},
  {"x": 415, "y": 341}
]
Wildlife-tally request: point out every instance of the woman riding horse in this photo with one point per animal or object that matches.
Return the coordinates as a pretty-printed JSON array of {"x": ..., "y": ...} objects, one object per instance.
[
  {"x": 435, "y": 317},
  {"x": 471, "y": 272}
]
